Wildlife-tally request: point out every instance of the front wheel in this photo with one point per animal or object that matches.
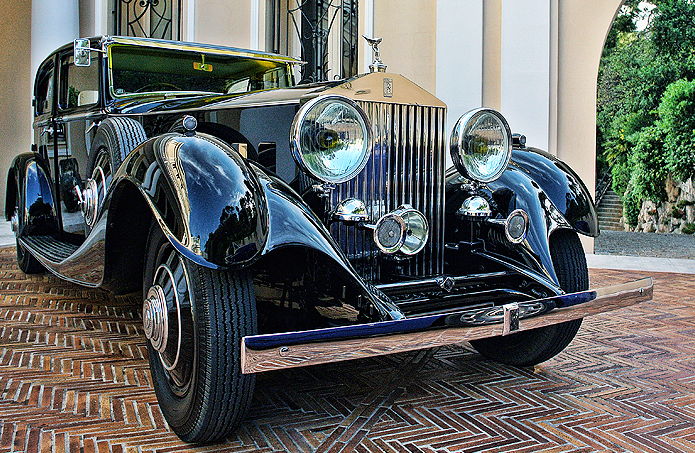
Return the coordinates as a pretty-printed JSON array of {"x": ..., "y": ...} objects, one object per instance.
[
  {"x": 532, "y": 347},
  {"x": 194, "y": 319}
]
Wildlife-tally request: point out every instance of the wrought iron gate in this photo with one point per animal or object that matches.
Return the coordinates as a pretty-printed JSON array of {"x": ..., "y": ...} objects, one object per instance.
[
  {"x": 310, "y": 25},
  {"x": 148, "y": 18}
]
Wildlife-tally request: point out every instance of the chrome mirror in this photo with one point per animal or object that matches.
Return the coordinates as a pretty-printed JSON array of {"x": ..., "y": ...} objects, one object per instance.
[{"x": 82, "y": 52}]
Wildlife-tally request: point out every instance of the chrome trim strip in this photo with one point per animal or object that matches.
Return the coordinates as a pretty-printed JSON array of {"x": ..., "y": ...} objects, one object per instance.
[
  {"x": 430, "y": 283},
  {"x": 268, "y": 352}
]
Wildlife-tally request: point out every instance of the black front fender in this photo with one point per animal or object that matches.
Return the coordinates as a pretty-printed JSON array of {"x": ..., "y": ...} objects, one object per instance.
[
  {"x": 292, "y": 223},
  {"x": 563, "y": 187},
  {"x": 544, "y": 216},
  {"x": 203, "y": 195},
  {"x": 29, "y": 181}
]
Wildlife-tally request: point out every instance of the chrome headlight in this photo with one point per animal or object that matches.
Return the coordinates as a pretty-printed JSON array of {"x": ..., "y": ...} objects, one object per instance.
[
  {"x": 331, "y": 139},
  {"x": 481, "y": 145}
]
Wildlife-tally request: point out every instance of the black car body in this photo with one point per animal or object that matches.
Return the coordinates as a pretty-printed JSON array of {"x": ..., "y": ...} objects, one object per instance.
[{"x": 270, "y": 225}]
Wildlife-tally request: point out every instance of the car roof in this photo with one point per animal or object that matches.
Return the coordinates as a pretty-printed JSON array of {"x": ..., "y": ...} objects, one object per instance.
[{"x": 105, "y": 41}]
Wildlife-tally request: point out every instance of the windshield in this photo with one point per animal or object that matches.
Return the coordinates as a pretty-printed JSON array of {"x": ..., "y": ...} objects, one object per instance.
[{"x": 139, "y": 69}]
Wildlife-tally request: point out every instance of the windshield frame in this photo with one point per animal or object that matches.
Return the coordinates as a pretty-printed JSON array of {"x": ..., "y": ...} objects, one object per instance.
[{"x": 280, "y": 62}]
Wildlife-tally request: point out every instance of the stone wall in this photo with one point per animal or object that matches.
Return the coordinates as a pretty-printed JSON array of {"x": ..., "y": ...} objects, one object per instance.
[{"x": 672, "y": 216}]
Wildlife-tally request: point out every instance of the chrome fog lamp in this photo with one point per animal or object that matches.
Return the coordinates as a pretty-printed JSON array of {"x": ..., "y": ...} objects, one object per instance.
[
  {"x": 331, "y": 138},
  {"x": 351, "y": 210},
  {"x": 481, "y": 145},
  {"x": 404, "y": 230},
  {"x": 475, "y": 206},
  {"x": 516, "y": 226}
]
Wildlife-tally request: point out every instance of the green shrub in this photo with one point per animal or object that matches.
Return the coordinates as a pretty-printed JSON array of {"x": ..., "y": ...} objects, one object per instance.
[
  {"x": 648, "y": 164},
  {"x": 688, "y": 228},
  {"x": 683, "y": 203},
  {"x": 631, "y": 208},
  {"x": 677, "y": 120},
  {"x": 621, "y": 176}
]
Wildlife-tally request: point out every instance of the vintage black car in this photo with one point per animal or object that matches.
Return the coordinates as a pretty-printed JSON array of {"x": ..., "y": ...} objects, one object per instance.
[{"x": 273, "y": 225}]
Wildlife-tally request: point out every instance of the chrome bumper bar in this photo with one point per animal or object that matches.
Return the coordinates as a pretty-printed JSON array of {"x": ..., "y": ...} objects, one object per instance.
[{"x": 293, "y": 349}]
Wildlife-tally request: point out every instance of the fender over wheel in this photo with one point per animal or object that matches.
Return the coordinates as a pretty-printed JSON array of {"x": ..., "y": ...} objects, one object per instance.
[
  {"x": 538, "y": 345},
  {"x": 194, "y": 318},
  {"x": 224, "y": 133},
  {"x": 26, "y": 261}
]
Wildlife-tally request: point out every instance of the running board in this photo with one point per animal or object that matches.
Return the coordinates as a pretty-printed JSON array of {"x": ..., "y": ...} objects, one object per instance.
[
  {"x": 53, "y": 249},
  {"x": 268, "y": 352},
  {"x": 83, "y": 264}
]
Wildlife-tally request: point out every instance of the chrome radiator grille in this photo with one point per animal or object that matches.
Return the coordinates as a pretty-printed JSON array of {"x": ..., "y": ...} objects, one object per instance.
[{"x": 406, "y": 167}]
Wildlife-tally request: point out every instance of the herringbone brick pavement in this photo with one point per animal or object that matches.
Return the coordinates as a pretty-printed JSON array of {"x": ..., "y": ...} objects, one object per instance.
[{"x": 73, "y": 377}]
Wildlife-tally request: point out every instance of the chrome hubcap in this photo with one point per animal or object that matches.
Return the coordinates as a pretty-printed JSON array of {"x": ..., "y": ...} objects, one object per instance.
[
  {"x": 89, "y": 198},
  {"x": 155, "y": 318},
  {"x": 161, "y": 317}
]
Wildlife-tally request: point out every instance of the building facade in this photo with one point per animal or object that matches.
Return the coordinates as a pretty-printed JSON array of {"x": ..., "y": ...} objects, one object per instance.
[{"x": 535, "y": 61}]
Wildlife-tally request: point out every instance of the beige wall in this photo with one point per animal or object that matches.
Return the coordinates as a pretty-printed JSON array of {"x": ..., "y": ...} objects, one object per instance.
[
  {"x": 15, "y": 84},
  {"x": 582, "y": 29},
  {"x": 409, "y": 33},
  {"x": 578, "y": 32},
  {"x": 492, "y": 53},
  {"x": 223, "y": 22}
]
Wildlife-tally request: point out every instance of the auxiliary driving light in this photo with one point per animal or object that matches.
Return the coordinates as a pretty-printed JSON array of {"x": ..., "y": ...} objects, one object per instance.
[
  {"x": 516, "y": 226},
  {"x": 404, "y": 230}
]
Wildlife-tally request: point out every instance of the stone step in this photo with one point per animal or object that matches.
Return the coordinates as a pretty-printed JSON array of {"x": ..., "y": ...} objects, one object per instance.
[
  {"x": 609, "y": 211},
  {"x": 611, "y": 203},
  {"x": 610, "y": 214},
  {"x": 610, "y": 226},
  {"x": 610, "y": 207}
]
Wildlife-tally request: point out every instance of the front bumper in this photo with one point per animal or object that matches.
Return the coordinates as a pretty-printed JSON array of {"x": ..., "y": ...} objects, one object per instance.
[{"x": 293, "y": 349}]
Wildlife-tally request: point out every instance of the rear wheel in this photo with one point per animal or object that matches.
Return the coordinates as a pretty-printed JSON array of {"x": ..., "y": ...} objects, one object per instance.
[
  {"x": 194, "y": 319},
  {"x": 538, "y": 345},
  {"x": 115, "y": 138}
]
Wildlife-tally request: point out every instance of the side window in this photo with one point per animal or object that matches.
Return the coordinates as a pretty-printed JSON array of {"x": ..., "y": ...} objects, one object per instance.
[
  {"x": 43, "y": 91},
  {"x": 79, "y": 85}
]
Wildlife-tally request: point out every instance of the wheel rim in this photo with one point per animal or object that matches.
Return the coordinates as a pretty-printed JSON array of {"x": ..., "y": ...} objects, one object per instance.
[
  {"x": 102, "y": 160},
  {"x": 168, "y": 320},
  {"x": 102, "y": 171}
]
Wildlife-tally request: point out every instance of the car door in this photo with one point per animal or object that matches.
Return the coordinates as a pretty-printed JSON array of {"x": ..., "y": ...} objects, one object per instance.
[
  {"x": 77, "y": 113},
  {"x": 44, "y": 100}
]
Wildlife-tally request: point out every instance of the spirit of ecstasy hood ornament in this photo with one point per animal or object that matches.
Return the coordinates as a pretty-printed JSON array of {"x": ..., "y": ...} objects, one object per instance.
[{"x": 377, "y": 65}]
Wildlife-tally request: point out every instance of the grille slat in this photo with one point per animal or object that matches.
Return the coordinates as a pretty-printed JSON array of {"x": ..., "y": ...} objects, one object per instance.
[{"x": 406, "y": 166}]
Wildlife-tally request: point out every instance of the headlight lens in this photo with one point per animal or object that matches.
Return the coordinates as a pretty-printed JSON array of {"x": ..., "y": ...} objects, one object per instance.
[
  {"x": 331, "y": 139},
  {"x": 481, "y": 145}
]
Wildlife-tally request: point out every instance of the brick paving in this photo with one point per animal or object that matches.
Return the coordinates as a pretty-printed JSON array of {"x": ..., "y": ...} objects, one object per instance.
[{"x": 74, "y": 377}]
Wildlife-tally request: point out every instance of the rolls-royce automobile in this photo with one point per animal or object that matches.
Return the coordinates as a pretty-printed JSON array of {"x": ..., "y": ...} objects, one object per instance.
[{"x": 270, "y": 224}]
